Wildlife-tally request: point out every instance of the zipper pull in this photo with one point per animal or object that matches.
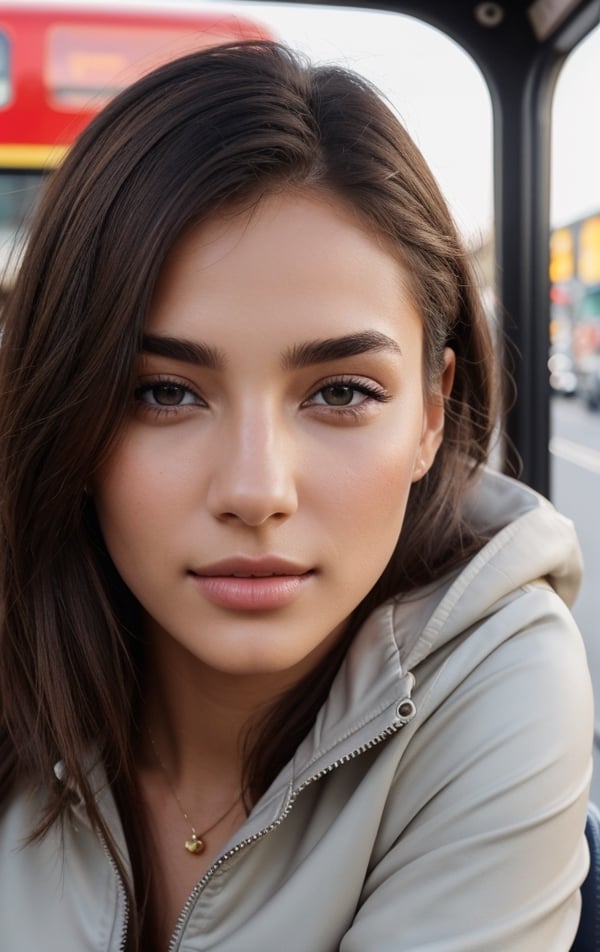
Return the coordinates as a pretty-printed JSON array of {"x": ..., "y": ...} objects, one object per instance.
[{"x": 405, "y": 709}]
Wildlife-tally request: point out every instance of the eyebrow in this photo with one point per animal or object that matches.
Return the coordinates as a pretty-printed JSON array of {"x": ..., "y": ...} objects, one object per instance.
[
  {"x": 190, "y": 352},
  {"x": 295, "y": 358},
  {"x": 334, "y": 348}
]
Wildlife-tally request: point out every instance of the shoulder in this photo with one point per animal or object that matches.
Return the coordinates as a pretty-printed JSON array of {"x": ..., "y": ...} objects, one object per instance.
[
  {"x": 521, "y": 670},
  {"x": 56, "y": 892},
  {"x": 485, "y": 813}
]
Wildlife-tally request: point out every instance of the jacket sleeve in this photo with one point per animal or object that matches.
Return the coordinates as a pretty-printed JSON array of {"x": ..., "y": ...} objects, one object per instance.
[{"x": 495, "y": 781}]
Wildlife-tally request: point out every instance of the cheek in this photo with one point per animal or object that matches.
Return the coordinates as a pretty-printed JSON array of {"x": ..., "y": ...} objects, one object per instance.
[
  {"x": 142, "y": 474},
  {"x": 368, "y": 505},
  {"x": 133, "y": 494}
]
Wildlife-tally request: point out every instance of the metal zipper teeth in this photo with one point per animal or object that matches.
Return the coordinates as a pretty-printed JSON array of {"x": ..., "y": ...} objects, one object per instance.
[
  {"x": 122, "y": 891},
  {"x": 388, "y": 732}
]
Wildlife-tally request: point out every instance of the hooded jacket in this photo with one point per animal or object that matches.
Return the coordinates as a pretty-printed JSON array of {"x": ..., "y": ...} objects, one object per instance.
[{"x": 437, "y": 805}]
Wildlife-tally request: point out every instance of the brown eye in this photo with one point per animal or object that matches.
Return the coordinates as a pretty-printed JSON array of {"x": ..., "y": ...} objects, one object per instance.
[
  {"x": 347, "y": 393},
  {"x": 168, "y": 394},
  {"x": 338, "y": 395}
]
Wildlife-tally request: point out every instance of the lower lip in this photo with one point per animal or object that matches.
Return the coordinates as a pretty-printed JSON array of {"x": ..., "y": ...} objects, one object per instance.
[{"x": 251, "y": 594}]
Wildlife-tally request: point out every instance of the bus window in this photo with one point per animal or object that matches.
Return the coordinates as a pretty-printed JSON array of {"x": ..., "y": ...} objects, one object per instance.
[
  {"x": 18, "y": 196},
  {"x": 95, "y": 62},
  {"x": 5, "y": 77}
]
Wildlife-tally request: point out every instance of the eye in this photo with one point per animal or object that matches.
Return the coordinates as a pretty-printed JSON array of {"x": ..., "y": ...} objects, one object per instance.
[
  {"x": 166, "y": 394},
  {"x": 348, "y": 393},
  {"x": 340, "y": 395}
]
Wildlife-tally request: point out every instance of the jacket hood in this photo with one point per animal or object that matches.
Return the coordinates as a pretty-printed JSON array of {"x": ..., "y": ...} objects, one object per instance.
[{"x": 528, "y": 541}]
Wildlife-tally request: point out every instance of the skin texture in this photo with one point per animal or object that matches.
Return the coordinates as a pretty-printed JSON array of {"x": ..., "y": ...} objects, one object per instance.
[{"x": 254, "y": 458}]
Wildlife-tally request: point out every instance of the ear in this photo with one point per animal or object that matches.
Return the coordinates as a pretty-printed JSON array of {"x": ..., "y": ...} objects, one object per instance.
[{"x": 433, "y": 417}]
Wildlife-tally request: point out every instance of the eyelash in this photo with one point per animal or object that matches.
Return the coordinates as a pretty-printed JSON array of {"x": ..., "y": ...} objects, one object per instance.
[{"x": 371, "y": 392}]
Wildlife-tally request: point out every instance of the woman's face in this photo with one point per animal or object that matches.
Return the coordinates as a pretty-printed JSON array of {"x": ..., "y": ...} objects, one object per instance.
[{"x": 259, "y": 487}]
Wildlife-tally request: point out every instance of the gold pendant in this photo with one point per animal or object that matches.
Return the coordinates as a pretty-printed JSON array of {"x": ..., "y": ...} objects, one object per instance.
[{"x": 195, "y": 845}]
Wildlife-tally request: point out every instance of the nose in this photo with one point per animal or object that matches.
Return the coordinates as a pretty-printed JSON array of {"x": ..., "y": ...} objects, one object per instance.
[{"x": 253, "y": 479}]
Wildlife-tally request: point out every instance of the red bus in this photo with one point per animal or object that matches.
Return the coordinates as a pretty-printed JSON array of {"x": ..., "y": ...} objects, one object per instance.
[{"x": 59, "y": 66}]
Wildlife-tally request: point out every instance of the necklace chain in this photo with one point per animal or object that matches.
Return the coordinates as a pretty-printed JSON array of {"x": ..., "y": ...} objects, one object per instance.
[{"x": 197, "y": 843}]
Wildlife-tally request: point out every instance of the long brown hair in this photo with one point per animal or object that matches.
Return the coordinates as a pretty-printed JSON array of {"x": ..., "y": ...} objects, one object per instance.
[{"x": 208, "y": 131}]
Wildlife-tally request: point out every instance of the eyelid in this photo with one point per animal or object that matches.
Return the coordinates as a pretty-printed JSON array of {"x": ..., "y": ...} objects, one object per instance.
[
  {"x": 144, "y": 377},
  {"x": 365, "y": 385}
]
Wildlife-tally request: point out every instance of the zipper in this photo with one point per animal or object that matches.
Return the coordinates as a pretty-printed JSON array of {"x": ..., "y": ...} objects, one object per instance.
[
  {"x": 405, "y": 711},
  {"x": 122, "y": 893}
]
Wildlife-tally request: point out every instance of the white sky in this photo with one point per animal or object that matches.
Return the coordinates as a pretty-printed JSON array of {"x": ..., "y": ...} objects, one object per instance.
[
  {"x": 440, "y": 95},
  {"x": 576, "y": 134}
]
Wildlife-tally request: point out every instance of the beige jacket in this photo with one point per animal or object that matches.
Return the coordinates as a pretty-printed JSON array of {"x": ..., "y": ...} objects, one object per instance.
[{"x": 452, "y": 823}]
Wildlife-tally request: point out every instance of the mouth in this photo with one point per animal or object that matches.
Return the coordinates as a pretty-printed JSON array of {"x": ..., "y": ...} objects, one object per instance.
[{"x": 253, "y": 585}]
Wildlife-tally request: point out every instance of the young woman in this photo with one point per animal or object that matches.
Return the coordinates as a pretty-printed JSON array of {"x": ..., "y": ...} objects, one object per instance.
[{"x": 282, "y": 665}]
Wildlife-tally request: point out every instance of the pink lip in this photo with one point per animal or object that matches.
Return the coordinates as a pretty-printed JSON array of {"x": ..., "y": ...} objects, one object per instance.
[{"x": 248, "y": 584}]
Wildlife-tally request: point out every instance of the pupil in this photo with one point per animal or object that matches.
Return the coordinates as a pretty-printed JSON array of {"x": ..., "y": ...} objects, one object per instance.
[
  {"x": 168, "y": 395},
  {"x": 339, "y": 396}
]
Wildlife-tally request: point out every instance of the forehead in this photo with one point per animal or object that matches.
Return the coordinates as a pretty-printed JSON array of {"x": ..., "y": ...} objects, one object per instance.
[{"x": 294, "y": 261}]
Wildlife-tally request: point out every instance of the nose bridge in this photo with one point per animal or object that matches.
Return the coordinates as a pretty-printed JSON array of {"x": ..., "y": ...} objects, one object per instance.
[{"x": 254, "y": 479}]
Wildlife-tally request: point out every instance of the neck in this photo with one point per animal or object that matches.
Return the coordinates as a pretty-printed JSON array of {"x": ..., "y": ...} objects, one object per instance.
[{"x": 198, "y": 716}]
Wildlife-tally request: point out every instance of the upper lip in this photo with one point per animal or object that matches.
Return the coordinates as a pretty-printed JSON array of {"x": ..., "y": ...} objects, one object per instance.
[{"x": 247, "y": 566}]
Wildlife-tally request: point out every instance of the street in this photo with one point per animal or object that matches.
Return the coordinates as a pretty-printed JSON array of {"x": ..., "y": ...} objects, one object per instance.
[{"x": 575, "y": 482}]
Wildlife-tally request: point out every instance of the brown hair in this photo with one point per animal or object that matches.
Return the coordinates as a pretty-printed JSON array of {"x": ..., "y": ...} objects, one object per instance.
[{"x": 210, "y": 130}]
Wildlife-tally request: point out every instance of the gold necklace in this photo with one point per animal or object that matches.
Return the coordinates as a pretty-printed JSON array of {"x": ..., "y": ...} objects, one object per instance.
[{"x": 196, "y": 844}]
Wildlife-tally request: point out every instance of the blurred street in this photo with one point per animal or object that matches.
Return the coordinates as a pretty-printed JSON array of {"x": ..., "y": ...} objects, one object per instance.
[{"x": 575, "y": 481}]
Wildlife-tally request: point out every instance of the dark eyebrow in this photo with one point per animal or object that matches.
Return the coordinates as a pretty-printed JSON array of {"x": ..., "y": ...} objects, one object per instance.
[
  {"x": 298, "y": 356},
  {"x": 334, "y": 348},
  {"x": 187, "y": 351}
]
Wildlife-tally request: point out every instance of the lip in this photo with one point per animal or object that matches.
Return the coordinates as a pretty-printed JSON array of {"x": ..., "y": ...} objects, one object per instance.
[
  {"x": 244, "y": 565},
  {"x": 252, "y": 584}
]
